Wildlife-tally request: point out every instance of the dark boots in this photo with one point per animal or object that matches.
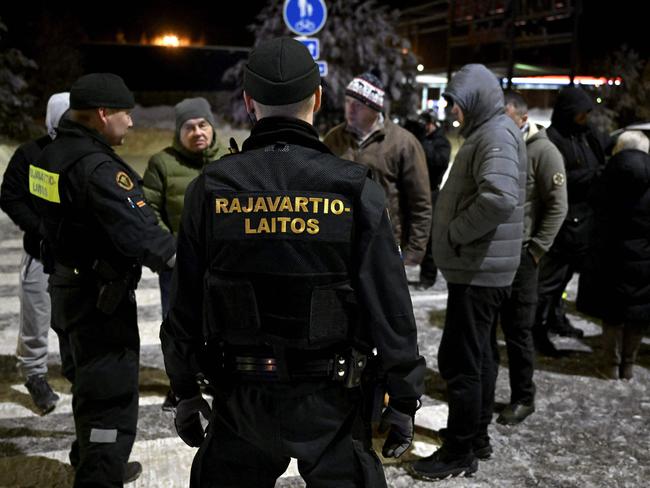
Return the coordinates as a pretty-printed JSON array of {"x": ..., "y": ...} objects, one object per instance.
[{"x": 620, "y": 346}]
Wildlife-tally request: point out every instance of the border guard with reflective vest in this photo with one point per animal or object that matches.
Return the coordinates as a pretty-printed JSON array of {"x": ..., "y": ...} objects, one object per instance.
[
  {"x": 99, "y": 231},
  {"x": 287, "y": 278}
]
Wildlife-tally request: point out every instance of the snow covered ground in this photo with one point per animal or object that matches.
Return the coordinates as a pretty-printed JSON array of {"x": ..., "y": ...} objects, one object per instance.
[{"x": 587, "y": 431}]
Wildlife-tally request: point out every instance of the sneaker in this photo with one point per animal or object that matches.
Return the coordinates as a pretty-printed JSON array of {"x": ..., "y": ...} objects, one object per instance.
[
  {"x": 515, "y": 413},
  {"x": 442, "y": 465},
  {"x": 41, "y": 392},
  {"x": 132, "y": 471},
  {"x": 480, "y": 444}
]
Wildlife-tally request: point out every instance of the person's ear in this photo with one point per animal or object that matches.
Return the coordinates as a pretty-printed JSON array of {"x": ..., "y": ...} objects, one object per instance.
[
  {"x": 318, "y": 97},
  {"x": 248, "y": 102},
  {"x": 102, "y": 114}
]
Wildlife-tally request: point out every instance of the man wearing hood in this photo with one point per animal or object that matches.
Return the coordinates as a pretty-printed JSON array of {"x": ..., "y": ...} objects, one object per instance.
[
  {"x": 35, "y": 308},
  {"x": 478, "y": 230},
  {"x": 583, "y": 157}
]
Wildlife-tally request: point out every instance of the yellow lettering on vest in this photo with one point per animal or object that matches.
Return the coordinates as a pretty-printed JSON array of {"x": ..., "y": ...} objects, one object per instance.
[
  {"x": 260, "y": 205},
  {"x": 301, "y": 204},
  {"x": 221, "y": 205},
  {"x": 249, "y": 207},
  {"x": 235, "y": 206},
  {"x": 44, "y": 184},
  {"x": 283, "y": 223},
  {"x": 263, "y": 226},
  {"x": 312, "y": 226},
  {"x": 315, "y": 201},
  {"x": 337, "y": 207},
  {"x": 286, "y": 205},
  {"x": 247, "y": 227},
  {"x": 273, "y": 203},
  {"x": 298, "y": 226}
]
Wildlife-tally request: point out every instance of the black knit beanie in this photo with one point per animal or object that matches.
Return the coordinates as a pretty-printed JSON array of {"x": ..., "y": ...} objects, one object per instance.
[
  {"x": 280, "y": 71},
  {"x": 100, "y": 90}
]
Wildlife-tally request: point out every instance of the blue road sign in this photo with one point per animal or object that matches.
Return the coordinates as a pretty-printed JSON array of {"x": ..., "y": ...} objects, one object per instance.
[
  {"x": 322, "y": 68},
  {"x": 304, "y": 17},
  {"x": 312, "y": 44}
]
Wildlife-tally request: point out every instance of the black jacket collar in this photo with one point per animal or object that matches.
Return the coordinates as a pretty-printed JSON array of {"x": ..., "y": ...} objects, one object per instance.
[
  {"x": 68, "y": 128},
  {"x": 274, "y": 130}
]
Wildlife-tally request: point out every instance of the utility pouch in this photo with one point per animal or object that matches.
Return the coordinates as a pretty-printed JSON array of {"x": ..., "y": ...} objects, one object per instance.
[
  {"x": 332, "y": 314},
  {"x": 352, "y": 368}
]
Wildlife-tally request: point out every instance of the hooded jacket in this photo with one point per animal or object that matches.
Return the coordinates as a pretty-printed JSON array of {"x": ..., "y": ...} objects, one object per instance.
[
  {"x": 478, "y": 220},
  {"x": 399, "y": 165},
  {"x": 167, "y": 176},
  {"x": 584, "y": 157},
  {"x": 15, "y": 198}
]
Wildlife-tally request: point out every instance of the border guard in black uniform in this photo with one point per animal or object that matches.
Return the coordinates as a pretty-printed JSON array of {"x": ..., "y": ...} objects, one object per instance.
[
  {"x": 99, "y": 231},
  {"x": 287, "y": 277}
]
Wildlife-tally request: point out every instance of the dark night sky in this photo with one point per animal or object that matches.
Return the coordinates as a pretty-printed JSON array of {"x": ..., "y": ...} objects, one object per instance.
[{"x": 224, "y": 23}]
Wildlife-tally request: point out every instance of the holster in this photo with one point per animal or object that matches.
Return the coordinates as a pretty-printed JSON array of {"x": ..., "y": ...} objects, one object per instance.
[{"x": 113, "y": 285}]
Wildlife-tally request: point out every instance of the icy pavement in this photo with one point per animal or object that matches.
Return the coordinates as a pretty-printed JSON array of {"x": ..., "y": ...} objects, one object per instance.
[{"x": 587, "y": 432}]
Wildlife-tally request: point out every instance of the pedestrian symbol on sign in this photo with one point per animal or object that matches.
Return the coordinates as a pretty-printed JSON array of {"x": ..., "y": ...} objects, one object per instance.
[{"x": 305, "y": 17}]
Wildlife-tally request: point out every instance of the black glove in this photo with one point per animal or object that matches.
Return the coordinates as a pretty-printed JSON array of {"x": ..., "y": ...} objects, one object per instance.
[
  {"x": 187, "y": 420},
  {"x": 400, "y": 434}
]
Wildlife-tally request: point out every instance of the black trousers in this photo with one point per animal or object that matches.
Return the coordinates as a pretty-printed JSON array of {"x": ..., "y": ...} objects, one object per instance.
[
  {"x": 100, "y": 357},
  {"x": 467, "y": 361},
  {"x": 555, "y": 272},
  {"x": 428, "y": 268},
  {"x": 255, "y": 431},
  {"x": 517, "y": 317}
]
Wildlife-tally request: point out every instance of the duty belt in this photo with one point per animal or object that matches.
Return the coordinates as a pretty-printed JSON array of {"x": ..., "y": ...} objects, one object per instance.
[{"x": 345, "y": 368}]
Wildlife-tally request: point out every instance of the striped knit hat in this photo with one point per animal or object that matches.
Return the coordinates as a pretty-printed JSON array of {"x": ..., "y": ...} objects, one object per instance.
[{"x": 368, "y": 89}]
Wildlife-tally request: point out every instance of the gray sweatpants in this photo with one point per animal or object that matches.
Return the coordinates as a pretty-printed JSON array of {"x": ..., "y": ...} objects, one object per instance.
[{"x": 31, "y": 349}]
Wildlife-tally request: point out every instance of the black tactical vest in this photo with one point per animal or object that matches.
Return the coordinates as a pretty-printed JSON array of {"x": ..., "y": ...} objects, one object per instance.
[
  {"x": 279, "y": 233},
  {"x": 73, "y": 238}
]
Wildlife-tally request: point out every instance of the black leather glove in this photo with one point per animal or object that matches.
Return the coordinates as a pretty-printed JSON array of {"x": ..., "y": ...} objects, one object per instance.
[
  {"x": 400, "y": 432},
  {"x": 187, "y": 420}
]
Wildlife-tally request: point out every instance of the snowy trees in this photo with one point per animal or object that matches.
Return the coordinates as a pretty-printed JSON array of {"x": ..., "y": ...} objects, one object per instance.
[
  {"x": 358, "y": 36},
  {"x": 15, "y": 101}
]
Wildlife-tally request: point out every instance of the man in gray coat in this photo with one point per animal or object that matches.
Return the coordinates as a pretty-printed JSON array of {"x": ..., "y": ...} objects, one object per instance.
[
  {"x": 478, "y": 230},
  {"x": 544, "y": 211}
]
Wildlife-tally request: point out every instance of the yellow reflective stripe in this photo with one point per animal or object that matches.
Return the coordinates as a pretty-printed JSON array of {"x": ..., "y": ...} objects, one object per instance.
[{"x": 44, "y": 184}]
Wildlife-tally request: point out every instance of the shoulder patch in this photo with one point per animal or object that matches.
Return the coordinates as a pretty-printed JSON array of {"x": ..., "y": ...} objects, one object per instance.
[
  {"x": 558, "y": 179},
  {"x": 124, "y": 181}
]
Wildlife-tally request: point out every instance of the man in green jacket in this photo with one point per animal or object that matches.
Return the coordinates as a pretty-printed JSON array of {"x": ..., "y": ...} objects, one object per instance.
[{"x": 171, "y": 170}]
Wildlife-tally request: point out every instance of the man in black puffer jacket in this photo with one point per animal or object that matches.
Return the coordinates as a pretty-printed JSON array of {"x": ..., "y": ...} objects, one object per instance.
[{"x": 584, "y": 156}]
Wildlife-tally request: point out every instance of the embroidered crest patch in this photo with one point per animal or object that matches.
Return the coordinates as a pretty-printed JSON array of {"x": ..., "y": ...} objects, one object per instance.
[
  {"x": 123, "y": 181},
  {"x": 558, "y": 179}
]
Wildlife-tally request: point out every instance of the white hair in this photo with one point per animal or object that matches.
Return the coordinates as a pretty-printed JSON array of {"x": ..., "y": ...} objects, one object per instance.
[{"x": 632, "y": 139}]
